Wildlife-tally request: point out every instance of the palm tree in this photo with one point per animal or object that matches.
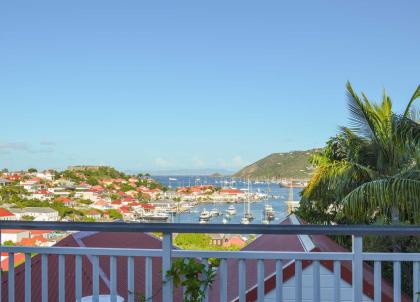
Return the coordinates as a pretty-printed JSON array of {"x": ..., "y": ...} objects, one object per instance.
[{"x": 372, "y": 168}]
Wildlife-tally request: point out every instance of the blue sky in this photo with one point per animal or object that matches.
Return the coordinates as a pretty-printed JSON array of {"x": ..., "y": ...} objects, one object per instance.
[{"x": 191, "y": 84}]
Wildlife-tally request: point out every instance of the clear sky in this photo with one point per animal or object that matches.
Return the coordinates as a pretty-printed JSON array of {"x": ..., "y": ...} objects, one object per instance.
[{"x": 192, "y": 84}]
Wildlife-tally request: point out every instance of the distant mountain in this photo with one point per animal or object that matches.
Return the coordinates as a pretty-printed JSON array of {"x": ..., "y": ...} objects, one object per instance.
[
  {"x": 187, "y": 172},
  {"x": 293, "y": 164}
]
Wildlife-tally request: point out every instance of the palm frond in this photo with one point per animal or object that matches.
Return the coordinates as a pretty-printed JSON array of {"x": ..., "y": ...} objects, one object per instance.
[
  {"x": 383, "y": 194},
  {"x": 360, "y": 121},
  {"x": 410, "y": 103},
  {"x": 339, "y": 178}
]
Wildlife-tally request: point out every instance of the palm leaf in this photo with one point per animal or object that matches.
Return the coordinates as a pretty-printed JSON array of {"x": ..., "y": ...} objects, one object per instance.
[
  {"x": 361, "y": 119},
  {"x": 413, "y": 98},
  {"x": 383, "y": 194},
  {"x": 339, "y": 177}
]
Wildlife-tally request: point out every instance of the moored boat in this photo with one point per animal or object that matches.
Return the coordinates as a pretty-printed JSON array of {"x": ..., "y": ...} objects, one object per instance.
[{"x": 231, "y": 210}]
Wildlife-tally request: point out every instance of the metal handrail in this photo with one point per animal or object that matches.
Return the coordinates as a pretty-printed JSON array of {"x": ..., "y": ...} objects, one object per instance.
[{"x": 357, "y": 230}]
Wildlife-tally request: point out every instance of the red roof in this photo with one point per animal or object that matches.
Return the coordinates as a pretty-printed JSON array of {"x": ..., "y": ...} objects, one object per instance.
[
  {"x": 125, "y": 209},
  {"x": 63, "y": 199},
  {"x": 13, "y": 231},
  {"x": 34, "y": 241},
  {"x": 5, "y": 213},
  {"x": 19, "y": 258},
  {"x": 114, "y": 240},
  {"x": 147, "y": 206},
  {"x": 292, "y": 243},
  {"x": 129, "y": 199},
  {"x": 231, "y": 191},
  {"x": 44, "y": 192},
  {"x": 40, "y": 232}
]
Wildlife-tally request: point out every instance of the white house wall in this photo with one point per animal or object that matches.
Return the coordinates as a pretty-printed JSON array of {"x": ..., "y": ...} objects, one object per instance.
[{"x": 327, "y": 288}]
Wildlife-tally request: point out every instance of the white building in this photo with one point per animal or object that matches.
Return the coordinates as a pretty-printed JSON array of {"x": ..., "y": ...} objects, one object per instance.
[
  {"x": 39, "y": 213},
  {"x": 14, "y": 235}
]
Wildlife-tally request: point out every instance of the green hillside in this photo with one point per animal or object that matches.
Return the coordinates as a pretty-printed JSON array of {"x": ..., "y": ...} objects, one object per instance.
[{"x": 293, "y": 164}]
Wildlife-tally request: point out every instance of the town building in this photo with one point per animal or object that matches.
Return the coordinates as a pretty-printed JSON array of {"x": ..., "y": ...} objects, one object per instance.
[{"x": 39, "y": 213}]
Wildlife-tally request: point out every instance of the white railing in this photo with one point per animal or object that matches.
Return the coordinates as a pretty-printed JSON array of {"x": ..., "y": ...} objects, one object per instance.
[{"x": 167, "y": 253}]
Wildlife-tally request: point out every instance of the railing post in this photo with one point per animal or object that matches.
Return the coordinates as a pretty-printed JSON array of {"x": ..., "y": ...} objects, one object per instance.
[
  {"x": 416, "y": 280},
  {"x": 357, "y": 268},
  {"x": 166, "y": 266}
]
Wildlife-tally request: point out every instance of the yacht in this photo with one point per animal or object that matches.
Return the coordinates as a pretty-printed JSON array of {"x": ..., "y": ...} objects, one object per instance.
[
  {"x": 231, "y": 210},
  {"x": 244, "y": 220},
  {"x": 249, "y": 216},
  {"x": 225, "y": 220},
  {"x": 205, "y": 215},
  {"x": 214, "y": 213},
  {"x": 268, "y": 212},
  {"x": 156, "y": 216}
]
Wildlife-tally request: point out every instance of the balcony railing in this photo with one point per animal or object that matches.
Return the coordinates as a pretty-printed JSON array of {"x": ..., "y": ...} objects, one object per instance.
[{"x": 167, "y": 253}]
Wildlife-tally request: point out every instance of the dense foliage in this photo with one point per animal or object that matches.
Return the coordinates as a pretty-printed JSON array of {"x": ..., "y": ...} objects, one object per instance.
[
  {"x": 92, "y": 175},
  {"x": 279, "y": 165},
  {"x": 370, "y": 173}
]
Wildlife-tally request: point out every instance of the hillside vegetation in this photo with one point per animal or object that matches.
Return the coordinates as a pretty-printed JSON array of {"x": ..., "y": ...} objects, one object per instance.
[{"x": 293, "y": 164}]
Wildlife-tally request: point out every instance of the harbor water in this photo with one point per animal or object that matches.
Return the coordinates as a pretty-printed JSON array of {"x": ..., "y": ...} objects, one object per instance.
[{"x": 277, "y": 198}]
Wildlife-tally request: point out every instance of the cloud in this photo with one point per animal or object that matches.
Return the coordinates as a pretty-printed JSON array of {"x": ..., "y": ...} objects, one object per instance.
[
  {"x": 198, "y": 162},
  {"x": 7, "y": 148},
  {"x": 234, "y": 163},
  {"x": 239, "y": 162},
  {"x": 47, "y": 143},
  {"x": 162, "y": 163}
]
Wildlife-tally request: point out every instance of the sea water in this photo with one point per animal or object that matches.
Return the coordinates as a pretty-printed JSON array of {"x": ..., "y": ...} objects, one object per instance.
[{"x": 278, "y": 198}]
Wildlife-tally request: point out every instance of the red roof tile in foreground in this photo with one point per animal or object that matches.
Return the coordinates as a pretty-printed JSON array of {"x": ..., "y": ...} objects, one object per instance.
[
  {"x": 292, "y": 243},
  {"x": 19, "y": 258},
  {"x": 92, "y": 239}
]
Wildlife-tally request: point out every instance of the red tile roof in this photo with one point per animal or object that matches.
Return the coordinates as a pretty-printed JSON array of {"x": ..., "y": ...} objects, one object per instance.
[
  {"x": 147, "y": 206},
  {"x": 291, "y": 243},
  {"x": 19, "y": 258},
  {"x": 231, "y": 191},
  {"x": 40, "y": 232},
  {"x": 114, "y": 240},
  {"x": 63, "y": 199},
  {"x": 34, "y": 241},
  {"x": 13, "y": 231},
  {"x": 5, "y": 213},
  {"x": 44, "y": 192}
]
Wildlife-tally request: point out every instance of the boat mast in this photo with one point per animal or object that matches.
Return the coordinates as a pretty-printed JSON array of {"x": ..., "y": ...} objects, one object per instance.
[{"x": 249, "y": 192}]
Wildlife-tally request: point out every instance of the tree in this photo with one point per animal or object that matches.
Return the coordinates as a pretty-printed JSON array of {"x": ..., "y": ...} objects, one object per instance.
[
  {"x": 28, "y": 217},
  {"x": 114, "y": 214},
  {"x": 371, "y": 170},
  {"x": 32, "y": 170},
  {"x": 8, "y": 243}
]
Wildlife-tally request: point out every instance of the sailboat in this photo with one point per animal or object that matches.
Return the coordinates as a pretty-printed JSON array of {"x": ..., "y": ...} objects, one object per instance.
[
  {"x": 248, "y": 213},
  {"x": 268, "y": 211}
]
